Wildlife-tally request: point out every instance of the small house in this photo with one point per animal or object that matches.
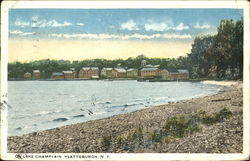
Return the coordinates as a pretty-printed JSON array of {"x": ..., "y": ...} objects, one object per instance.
[
  {"x": 74, "y": 72},
  {"x": 68, "y": 74},
  {"x": 27, "y": 75},
  {"x": 183, "y": 74},
  {"x": 173, "y": 74},
  {"x": 119, "y": 73},
  {"x": 36, "y": 74},
  {"x": 132, "y": 73},
  {"x": 57, "y": 75},
  {"x": 106, "y": 72},
  {"x": 89, "y": 72},
  {"x": 164, "y": 74},
  {"x": 150, "y": 72}
]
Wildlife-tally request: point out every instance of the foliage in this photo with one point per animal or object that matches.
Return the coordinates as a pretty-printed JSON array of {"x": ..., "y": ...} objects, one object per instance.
[
  {"x": 106, "y": 142},
  {"x": 156, "y": 136},
  {"x": 210, "y": 119},
  {"x": 135, "y": 135},
  {"x": 219, "y": 56},
  {"x": 176, "y": 127}
]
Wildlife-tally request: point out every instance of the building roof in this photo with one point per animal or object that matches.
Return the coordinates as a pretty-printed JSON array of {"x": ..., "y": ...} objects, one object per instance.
[
  {"x": 85, "y": 68},
  {"x": 36, "y": 71},
  {"x": 148, "y": 66},
  {"x": 88, "y": 68},
  {"x": 28, "y": 73},
  {"x": 172, "y": 70},
  {"x": 67, "y": 72},
  {"x": 132, "y": 69},
  {"x": 73, "y": 69},
  {"x": 183, "y": 71},
  {"x": 164, "y": 70},
  {"x": 57, "y": 74},
  {"x": 152, "y": 66},
  {"x": 94, "y": 68},
  {"x": 107, "y": 68},
  {"x": 120, "y": 70},
  {"x": 149, "y": 69}
]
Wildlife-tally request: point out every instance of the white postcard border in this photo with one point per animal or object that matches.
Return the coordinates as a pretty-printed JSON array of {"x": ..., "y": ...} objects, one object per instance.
[{"x": 124, "y": 4}]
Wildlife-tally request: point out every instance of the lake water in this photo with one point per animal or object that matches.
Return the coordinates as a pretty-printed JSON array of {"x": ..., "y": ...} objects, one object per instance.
[{"x": 40, "y": 105}]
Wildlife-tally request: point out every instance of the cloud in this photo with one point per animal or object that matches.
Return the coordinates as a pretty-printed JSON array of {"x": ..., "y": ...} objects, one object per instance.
[
  {"x": 51, "y": 23},
  {"x": 122, "y": 37},
  {"x": 80, "y": 24},
  {"x": 21, "y": 23},
  {"x": 20, "y": 33},
  {"x": 36, "y": 22},
  {"x": 129, "y": 25},
  {"x": 202, "y": 26},
  {"x": 54, "y": 23},
  {"x": 180, "y": 27},
  {"x": 156, "y": 27},
  {"x": 164, "y": 27}
]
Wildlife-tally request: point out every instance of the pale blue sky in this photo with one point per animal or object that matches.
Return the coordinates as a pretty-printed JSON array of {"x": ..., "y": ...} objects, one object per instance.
[
  {"x": 76, "y": 34},
  {"x": 143, "y": 24}
]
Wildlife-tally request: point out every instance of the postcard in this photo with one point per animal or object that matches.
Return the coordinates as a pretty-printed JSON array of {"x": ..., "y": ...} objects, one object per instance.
[{"x": 125, "y": 80}]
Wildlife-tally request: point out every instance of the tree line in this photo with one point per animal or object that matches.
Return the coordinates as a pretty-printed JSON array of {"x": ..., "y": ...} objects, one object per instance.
[{"x": 217, "y": 56}]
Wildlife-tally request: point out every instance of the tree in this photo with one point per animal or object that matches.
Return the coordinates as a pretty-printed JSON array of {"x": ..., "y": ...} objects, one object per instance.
[{"x": 221, "y": 55}]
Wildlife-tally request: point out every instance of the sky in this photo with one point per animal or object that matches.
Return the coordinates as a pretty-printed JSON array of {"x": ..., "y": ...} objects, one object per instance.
[{"x": 77, "y": 34}]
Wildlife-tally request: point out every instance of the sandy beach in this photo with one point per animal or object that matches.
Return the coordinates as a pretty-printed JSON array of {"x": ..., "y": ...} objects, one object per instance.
[{"x": 210, "y": 124}]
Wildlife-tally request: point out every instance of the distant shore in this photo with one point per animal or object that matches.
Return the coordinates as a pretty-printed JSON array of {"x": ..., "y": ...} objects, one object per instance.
[
  {"x": 219, "y": 130},
  {"x": 75, "y": 79},
  {"x": 207, "y": 81}
]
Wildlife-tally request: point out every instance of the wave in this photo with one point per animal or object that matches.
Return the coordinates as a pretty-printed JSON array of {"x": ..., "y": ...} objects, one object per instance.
[
  {"x": 83, "y": 100},
  {"x": 18, "y": 128},
  {"x": 139, "y": 99},
  {"x": 116, "y": 106},
  {"x": 160, "y": 99},
  {"x": 98, "y": 113},
  {"x": 77, "y": 116},
  {"x": 105, "y": 102},
  {"x": 19, "y": 117},
  {"x": 132, "y": 104},
  {"x": 46, "y": 113},
  {"x": 61, "y": 119},
  {"x": 123, "y": 106}
]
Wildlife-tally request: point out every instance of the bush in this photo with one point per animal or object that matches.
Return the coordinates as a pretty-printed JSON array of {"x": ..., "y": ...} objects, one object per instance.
[
  {"x": 156, "y": 136},
  {"x": 192, "y": 128},
  {"x": 169, "y": 139},
  {"x": 211, "y": 119},
  {"x": 176, "y": 126},
  {"x": 106, "y": 142},
  {"x": 223, "y": 114}
]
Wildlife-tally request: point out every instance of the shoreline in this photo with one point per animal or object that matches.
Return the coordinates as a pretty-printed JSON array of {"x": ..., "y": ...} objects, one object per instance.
[
  {"x": 87, "y": 137},
  {"x": 214, "y": 82},
  {"x": 221, "y": 83}
]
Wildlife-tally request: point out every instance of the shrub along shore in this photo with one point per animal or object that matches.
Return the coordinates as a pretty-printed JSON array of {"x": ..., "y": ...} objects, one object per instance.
[{"x": 211, "y": 124}]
